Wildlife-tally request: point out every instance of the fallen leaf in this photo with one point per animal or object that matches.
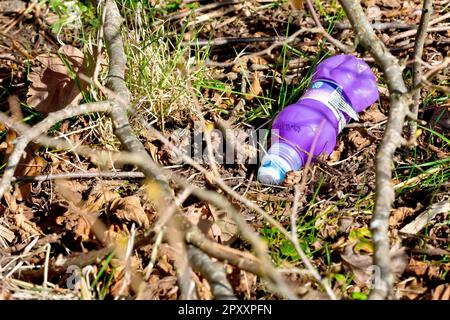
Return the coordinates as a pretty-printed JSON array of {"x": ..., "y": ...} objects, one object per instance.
[
  {"x": 228, "y": 228},
  {"x": 297, "y": 4},
  {"x": 358, "y": 139},
  {"x": 243, "y": 282},
  {"x": 362, "y": 265},
  {"x": 441, "y": 292},
  {"x": 373, "y": 115},
  {"x": 255, "y": 88},
  {"x": 391, "y": 3},
  {"x": 409, "y": 288},
  {"x": 419, "y": 268},
  {"x": 358, "y": 264},
  {"x": 373, "y": 13},
  {"x": 399, "y": 215},
  {"x": 292, "y": 178},
  {"x": 52, "y": 85},
  {"x": 130, "y": 209}
]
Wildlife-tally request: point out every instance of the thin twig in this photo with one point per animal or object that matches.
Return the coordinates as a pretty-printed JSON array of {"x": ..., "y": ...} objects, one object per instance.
[
  {"x": 248, "y": 203},
  {"x": 299, "y": 190},
  {"x": 213, "y": 272},
  {"x": 417, "y": 67},
  {"x": 81, "y": 175},
  {"x": 399, "y": 101},
  {"x": 332, "y": 40},
  {"x": 266, "y": 51},
  {"x": 22, "y": 141},
  {"x": 412, "y": 32}
]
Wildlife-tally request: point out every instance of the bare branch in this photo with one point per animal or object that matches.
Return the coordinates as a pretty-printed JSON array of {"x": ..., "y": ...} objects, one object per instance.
[
  {"x": 400, "y": 100},
  {"x": 417, "y": 67},
  {"x": 213, "y": 272},
  {"x": 42, "y": 127},
  {"x": 81, "y": 175},
  {"x": 332, "y": 40}
]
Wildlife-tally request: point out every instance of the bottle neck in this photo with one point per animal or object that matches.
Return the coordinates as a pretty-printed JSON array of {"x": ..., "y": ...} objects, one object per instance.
[{"x": 288, "y": 154}]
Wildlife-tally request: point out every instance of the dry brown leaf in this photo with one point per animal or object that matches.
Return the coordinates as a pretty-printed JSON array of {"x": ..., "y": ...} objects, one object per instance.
[
  {"x": 157, "y": 288},
  {"x": 228, "y": 229},
  {"x": 399, "y": 215},
  {"x": 243, "y": 282},
  {"x": 368, "y": 3},
  {"x": 69, "y": 191},
  {"x": 292, "y": 178},
  {"x": 410, "y": 288},
  {"x": 130, "y": 209},
  {"x": 297, "y": 4},
  {"x": 258, "y": 59},
  {"x": 255, "y": 89},
  {"x": 165, "y": 265},
  {"x": 336, "y": 154},
  {"x": 417, "y": 267},
  {"x": 123, "y": 276},
  {"x": 51, "y": 87},
  {"x": 200, "y": 217},
  {"x": 391, "y": 3},
  {"x": 362, "y": 265},
  {"x": 29, "y": 165},
  {"x": 96, "y": 200},
  {"x": 357, "y": 139},
  {"x": 373, "y": 13},
  {"x": 441, "y": 292},
  {"x": 373, "y": 115}
]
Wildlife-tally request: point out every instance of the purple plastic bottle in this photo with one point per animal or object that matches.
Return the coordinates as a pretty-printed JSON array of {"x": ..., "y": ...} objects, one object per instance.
[{"x": 341, "y": 86}]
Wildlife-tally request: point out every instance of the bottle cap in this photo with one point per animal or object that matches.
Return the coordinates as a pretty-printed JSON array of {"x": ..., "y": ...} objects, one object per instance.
[{"x": 273, "y": 169}]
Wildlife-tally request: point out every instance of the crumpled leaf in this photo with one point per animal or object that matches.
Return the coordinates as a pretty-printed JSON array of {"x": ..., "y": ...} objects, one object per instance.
[
  {"x": 52, "y": 85},
  {"x": 297, "y": 4},
  {"x": 373, "y": 115},
  {"x": 399, "y": 215},
  {"x": 130, "y": 209},
  {"x": 225, "y": 222},
  {"x": 441, "y": 292},
  {"x": 255, "y": 88},
  {"x": 362, "y": 265},
  {"x": 358, "y": 139},
  {"x": 410, "y": 288},
  {"x": 391, "y": 3},
  {"x": 123, "y": 276}
]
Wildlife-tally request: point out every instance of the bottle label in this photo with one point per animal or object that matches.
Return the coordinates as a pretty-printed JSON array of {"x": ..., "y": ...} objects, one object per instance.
[{"x": 330, "y": 94}]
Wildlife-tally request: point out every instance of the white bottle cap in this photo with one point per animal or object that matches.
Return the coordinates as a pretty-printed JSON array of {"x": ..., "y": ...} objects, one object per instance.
[{"x": 273, "y": 169}]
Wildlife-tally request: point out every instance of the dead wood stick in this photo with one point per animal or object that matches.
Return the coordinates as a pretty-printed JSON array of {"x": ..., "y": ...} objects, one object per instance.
[
  {"x": 324, "y": 32},
  {"x": 412, "y": 32},
  {"x": 81, "y": 175},
  {"x": 299, "y": 191},
  {"x": 399, "y": 101},
  {"x": 22, "y": 141},
  {"x": 141, "y": 158},
  {"x": 267, "y": 51},
  {"x": 417, "y": 67},
  {"x": 213, "y": 272}
]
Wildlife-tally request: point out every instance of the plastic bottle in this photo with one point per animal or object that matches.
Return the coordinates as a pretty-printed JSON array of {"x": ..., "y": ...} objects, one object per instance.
[{"x": 341, "y": 86}]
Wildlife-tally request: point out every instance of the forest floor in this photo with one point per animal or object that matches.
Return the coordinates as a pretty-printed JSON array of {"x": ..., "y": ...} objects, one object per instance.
[{"x": 182, "y": 65}]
